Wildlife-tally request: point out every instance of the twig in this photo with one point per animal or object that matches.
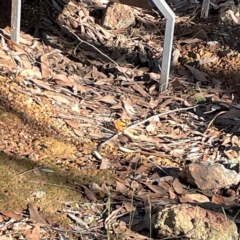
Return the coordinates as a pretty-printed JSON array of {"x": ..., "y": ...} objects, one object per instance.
[
  {"x": 30, "y": 170},
  {"x": 156, "y": 165},
  {"x": 142, "y": 122},
  {"x": 211, "y": 122}
]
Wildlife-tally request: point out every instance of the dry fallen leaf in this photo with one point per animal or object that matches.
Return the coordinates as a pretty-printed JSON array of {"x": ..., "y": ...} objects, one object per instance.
[
  {"x": 90, "y": 194},
  {"x": 12, "y": 215},
  {"x": 63, "y": 80},
  {"x": 177, "y": 185},
  {"x": 46, "y": 73},
  {"x": 129, "y": 206},
  {"x": 128, "y": 106},
  {"x": 34, "y": 234},
  {"x": 198, "y": 75},
  {"x": 105, "y": 163},
  {"x": 34, "y": 214},
  {"x": 108, "y": 99},
  {"x": 193, "y": 198},
  {"x": 72, "y": 123}
]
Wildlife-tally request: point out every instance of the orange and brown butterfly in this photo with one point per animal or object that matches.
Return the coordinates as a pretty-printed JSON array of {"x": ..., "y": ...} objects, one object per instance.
[{"x": 121, "y": 124}]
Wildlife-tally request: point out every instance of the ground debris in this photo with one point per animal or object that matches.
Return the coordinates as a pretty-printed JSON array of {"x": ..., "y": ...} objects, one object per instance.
[{"x": 87, "y": 137}]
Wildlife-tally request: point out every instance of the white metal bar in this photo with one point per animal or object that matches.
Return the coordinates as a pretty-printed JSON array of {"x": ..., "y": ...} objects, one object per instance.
[
  {"x": 168, "y": 41},
  {"x": 205, "y": 8},
  {"x": 15, "y": 20}
]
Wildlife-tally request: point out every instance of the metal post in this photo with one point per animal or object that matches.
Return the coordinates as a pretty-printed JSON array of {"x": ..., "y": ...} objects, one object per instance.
[
  {"x": 205, "y": 8},
  {"x": 15, "y": 20},
  {"x": 168, "y": 41}
]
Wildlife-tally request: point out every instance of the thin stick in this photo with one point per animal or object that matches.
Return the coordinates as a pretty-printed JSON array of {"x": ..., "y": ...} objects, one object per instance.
[
  {"x": 30, "y": 170},
  {"x": 142, "y": 122}
]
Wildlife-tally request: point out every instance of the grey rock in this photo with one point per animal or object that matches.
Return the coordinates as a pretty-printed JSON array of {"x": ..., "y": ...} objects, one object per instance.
[
  {"x": 193, "y": 222},
  {"x": 209, "y": 176}
]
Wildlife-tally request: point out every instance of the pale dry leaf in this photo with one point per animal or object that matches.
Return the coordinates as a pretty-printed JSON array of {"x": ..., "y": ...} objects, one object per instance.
[
  {"x": 230, "y": 200},
  {"x": 35, "y": 233},
  {"x": 175, "y": 55},
  {"x": 89, "y": 194},
  {"x": 95, "y": 188},
  {"x": 151, "y": 127},
  {"x": 80, "y": 88},
  {"x": 41, "y": 83},
  {"x": 172, "y": 195},
  {"x": 198, "y": 75},
  {"x": 190, "y": 40},
  {"x": 95, "y": 74},
  {"x": 120, "y": 187},
  {"x": 7, "y": 63},
  {"x": 57, "y": 97},
  {"x": 76, "y": 108},
  {"x": 194, "y": 198},
  {"x": 12, "y": 215},
  {"x": 157, "y": 189},
  {"x": 137, "y": 88},
  {"x": 78, "y": 132},
  {"x": 105, "y": 163},
  {"x": 34, "y": 214},
  {"x": 3, "y": 55},
  {"x": 63, "y": 80},
  {"x": 25, "y": 62},
  {"x": 108, "y": 99},
  {"x": 129, "y": 206},
  {"x": 73, "y": 23},
  {"x": 72, "y": 123},
  {"x": 177, "y": 186},
  {"x": 37, "y": 171},
  {"x": 46, "y": 73},
  {"x": 104, "y": 81},
  {"x": 128, "y": 106},
  {"x": 100, "y": 37},
  {"x": 106, "y": 189},
  {"x": 154, "y": 76}
]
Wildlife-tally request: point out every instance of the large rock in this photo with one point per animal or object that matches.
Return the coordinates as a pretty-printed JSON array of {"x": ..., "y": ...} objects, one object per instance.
[
  {"x": 118, "y": 16},
  {"x": 209, "y": 176},
  {"x": 193, "y": 222}
]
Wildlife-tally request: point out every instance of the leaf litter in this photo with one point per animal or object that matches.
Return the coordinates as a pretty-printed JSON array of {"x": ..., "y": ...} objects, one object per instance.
[{"x": 86, "y": 98}]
